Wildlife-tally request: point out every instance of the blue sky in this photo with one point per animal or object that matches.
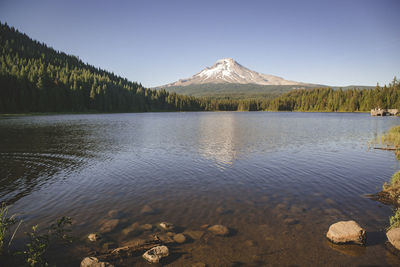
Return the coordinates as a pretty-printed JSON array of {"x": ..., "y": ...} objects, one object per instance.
[{"x": 158, "y": 42}]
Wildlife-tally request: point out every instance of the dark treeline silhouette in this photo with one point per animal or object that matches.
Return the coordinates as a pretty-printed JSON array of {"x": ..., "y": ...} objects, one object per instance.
[
  {"x": 327, "y": 99},
  {"x": 37, "y": 78}
]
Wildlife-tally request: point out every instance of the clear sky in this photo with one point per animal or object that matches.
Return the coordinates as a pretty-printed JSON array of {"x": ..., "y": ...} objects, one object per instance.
[{"x": 157, "y": 42}]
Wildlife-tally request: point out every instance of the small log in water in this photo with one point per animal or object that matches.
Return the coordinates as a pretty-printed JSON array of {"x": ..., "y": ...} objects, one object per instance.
[
  {"x": 131, "y": 249},
  {"x": 387, "y": 148}
]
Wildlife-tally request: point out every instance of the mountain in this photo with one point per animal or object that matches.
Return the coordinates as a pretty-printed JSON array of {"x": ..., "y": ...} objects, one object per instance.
[
  {"x": 229, "y": 78},
  {"x": 227, "y": 70}
]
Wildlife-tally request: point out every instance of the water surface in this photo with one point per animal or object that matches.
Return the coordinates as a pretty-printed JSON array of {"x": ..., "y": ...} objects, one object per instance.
[{"x": 277, "y": 180}]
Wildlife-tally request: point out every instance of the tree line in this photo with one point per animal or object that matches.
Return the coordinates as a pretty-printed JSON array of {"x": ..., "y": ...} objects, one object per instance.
[
  {"x": 37, "y": 78},
  {"x": 329, "y": 100}
]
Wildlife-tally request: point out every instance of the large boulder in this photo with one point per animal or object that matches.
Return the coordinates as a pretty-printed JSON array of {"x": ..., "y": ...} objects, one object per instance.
[
  {"x": 393, "y": 236},
  {"x": 155, "y": 254},
  {"x": 219, "y": 230},
  {"x": 94, "y": 262},
  {"x": 346, "y": 232}
]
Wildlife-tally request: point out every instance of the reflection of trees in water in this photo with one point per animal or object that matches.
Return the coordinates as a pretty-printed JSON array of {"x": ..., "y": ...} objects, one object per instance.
[{"x": 32, "y": 154}]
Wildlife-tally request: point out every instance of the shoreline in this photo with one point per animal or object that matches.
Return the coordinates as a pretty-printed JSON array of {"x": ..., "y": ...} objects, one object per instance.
[{"x": 124, "y": 112}]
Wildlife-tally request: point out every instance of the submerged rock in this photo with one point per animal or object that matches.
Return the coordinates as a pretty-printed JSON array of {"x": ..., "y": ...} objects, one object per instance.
[
  {"x": 204, "y": 226},
  {"x": 94, "y": 262},
  {"x": 147, "y": 210},
  {"x": 195, "y": 235},
  {"x": 165, "y": 238},
  {"x": 134, "y": 227},
  {"x": 346, "y": 232},
  {"x": 94, "y": 237},
  {"x": 155, "y": 254},
  {"x": 167, "y": 226},
  {"x": 290, "y": 221},
  {"x": 108, "y": 225},
  {"x": 179, "y": 238},
  {"x": 219, "y": 230},
  {"x": 115, "y": 214},
  {"x": 393, "y": 236},
  {"x": 223, "y": 210},
  {"x": 146, "y": 227}
]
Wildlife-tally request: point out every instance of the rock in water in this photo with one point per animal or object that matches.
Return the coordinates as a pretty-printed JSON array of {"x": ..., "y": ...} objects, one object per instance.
[
  {"x": 346, "y": 232},
  {"x": 94, "y": 262},
  {"x": 114, "y": 214},
  {"x": 155, "y": 254},
  {"x": 134, "y": 227},
  {"x": 195, "y": 235},
  {"x": 108, "y": 225},
  {"x": 179, "y": 238},
  {"x": 94, "y": 237},
  {"x": 167, "y": 226},
  {"x": 146, "y": 227},
  {"x": 219, "y": 230},
  {"x": 393, "y": 236},
  {"x": 147, "y": 210}
]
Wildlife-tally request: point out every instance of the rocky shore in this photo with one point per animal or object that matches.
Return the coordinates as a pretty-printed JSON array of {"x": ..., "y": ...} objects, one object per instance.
[{"x": 154, "y": 248}]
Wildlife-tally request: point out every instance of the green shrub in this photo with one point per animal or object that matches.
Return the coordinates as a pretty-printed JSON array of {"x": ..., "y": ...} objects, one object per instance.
[
  {"x": 38, "y": 244},
  {"x": 392, "y": 137},
  {"x": 5, "y": 223},
  {"x": 395, "y": 180},
  {"x": 394, "y": 220}
]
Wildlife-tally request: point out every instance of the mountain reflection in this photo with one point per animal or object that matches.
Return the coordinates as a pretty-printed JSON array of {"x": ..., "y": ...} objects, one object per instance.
[{"x": 217, "y": 138}]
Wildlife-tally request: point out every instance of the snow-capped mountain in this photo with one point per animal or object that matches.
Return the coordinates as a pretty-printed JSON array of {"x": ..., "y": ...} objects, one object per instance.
[{"x": 228, "y": 70}]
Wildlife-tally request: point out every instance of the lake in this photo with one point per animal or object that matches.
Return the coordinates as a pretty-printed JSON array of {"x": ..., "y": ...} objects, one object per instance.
[{"x": 278, "y": 180}]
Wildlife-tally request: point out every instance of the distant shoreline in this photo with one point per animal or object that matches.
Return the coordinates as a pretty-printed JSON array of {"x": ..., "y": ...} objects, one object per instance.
[{"x": 122, "y": 112}]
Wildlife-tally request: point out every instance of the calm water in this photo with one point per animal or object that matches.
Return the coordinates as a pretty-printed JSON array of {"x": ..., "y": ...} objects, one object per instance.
[{"x": 277, "y": 180}]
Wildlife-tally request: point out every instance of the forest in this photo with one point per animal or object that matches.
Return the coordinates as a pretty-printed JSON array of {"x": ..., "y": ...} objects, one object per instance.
[{"x": 37, "y": 78}]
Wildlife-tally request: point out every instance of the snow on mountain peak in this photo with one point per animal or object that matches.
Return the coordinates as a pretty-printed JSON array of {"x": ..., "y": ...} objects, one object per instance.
[
  {"x": 227, "y": 60},
  {"x": 227, "y": 70}
]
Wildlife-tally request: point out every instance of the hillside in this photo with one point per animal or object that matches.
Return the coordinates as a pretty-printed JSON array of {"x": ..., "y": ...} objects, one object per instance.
[
  {"x": 232, "y": 90},
  {"x": 37, "y": 78}
]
